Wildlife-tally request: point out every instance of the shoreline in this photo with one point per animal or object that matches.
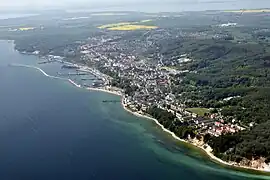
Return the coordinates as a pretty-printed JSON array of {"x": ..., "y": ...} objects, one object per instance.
[
  {"x": 207, "y": 151},
  {"x": 104, "y": 90}
]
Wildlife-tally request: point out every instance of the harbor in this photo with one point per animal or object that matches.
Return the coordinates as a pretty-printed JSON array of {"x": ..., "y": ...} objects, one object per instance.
[{"x": 111, "y": 101}]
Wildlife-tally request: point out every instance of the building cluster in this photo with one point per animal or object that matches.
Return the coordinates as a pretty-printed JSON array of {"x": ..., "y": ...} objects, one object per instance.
[
  {"x": 220, "y": 128},
  {"x": 147, "y": 80}
]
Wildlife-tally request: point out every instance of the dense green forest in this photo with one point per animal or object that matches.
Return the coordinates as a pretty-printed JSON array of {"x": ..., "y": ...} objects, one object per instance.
[
  {"x": 226, "y": 69},
  {"x": 222, "y": 69},
  {"x": 249, "y": 144},
  {"x": 169, "y": 121}
]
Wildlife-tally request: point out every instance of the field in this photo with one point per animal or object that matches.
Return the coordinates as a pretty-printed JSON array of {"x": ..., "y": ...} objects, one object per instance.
[
  {"x": 128, "y": 26},
  {"x": 131, "y": 27},
  {"x": 199, "y": 111},
  {"x": 249, "y": 11},
  {"x": 26, "y": 28},
  {"x": 113, "y": 25}
]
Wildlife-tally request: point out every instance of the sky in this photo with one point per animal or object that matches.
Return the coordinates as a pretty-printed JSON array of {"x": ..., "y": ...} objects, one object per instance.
[{"x": 184, "y": 4}]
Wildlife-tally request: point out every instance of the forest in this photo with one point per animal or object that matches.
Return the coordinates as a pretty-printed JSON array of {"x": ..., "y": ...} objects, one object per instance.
[
  {"x": 249, "y": 144},
  {"x": 227, "y": 69},
  {"x": 169, "y": 121}
]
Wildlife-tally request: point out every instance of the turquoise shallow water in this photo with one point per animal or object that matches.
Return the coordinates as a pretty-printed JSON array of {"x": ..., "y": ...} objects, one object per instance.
[{"x": 50, "y": 129}]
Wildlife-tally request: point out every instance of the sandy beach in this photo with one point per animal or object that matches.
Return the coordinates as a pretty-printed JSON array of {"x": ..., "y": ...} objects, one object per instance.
[{"x": 104, "y": 90}]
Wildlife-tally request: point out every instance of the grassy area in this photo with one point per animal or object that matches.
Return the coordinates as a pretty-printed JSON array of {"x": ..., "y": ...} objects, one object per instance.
[
  {"x": 199, "y": 111},
  {"x": 132, "y": 27},
  {"x": 128, "y": 26},
  {"x": 113, "y": 25},
  {"x": 26, "y": 28}
]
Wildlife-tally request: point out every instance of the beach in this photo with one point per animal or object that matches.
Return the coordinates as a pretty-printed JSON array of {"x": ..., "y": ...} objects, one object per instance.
[{"x": 104, "y": 90}]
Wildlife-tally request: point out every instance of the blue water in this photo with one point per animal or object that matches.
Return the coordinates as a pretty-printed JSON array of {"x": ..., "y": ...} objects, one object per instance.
[
  {"x": 10, "y": 16},
  {"x": 51, "y": 130},
  {"x": 154, "y": 6}
]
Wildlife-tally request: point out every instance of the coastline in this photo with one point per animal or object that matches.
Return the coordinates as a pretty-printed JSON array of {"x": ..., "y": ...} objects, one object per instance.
[
  {"x": 207, "y": 151},
  {"x": 104, "y": 90},
  {"x": 67, "y": 79},
  {"x": 173, "y": 134}
]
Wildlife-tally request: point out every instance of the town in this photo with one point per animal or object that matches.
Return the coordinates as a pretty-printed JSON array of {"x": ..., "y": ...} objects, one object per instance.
[{"x": 145, "y": 83}]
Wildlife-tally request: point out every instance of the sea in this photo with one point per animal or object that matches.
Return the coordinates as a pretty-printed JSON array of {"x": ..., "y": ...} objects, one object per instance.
[
  {"x": 52, "y": 130},
  {"x": 155, "y": 6},
  {"x": 14, "y": 15}
]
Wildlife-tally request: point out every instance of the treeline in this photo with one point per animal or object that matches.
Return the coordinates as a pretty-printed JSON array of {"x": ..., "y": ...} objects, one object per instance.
[
  {"x": 241, "y": 71},
  {"x": 249, "y": 144},
  {"x": 225, "y": 69},
  {"x": 169, "y": 121},
  {"x": 52, "y": 40}
]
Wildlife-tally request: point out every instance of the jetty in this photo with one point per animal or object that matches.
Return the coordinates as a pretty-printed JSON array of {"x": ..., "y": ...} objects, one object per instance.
[
  {"x": 111, "y": 101},
  {"x": 46, "y": 62},
  {"x": 72, "y": 74},
  {"x": 91, "y": 79}
]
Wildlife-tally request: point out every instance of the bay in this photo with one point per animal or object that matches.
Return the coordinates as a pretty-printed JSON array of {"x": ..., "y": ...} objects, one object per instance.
[{"x": 50, "y": 129}]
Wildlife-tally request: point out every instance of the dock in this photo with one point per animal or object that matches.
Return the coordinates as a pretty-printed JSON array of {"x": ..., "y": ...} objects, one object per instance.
[
  {"x": 111, "y": 101},
  {"x": 72, "y": 74},
  {"x": 91, "y": 79},
  {"x": 46, "y": 62}
]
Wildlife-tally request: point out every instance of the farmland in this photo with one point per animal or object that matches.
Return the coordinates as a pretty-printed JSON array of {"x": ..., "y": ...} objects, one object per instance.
[
  {"x": 128, "y": 26},
  {"x": 131, "y": 27}
]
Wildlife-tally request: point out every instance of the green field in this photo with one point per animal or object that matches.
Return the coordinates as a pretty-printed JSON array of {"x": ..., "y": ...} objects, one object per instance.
[{"x": 199, "y": 111}]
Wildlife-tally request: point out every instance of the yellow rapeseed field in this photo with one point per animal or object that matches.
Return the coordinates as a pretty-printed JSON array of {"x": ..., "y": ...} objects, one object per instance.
[
  {"x": 113, "y": 25},
  {"x": 131, "y": 27},
  {"x": 26, "y": 28},
  {"x": 128, "y": 26}
]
